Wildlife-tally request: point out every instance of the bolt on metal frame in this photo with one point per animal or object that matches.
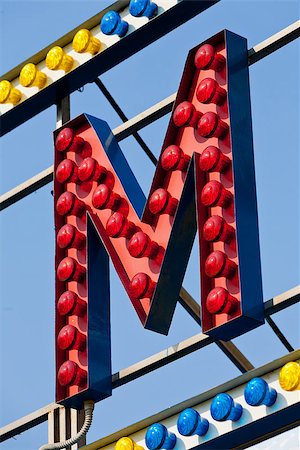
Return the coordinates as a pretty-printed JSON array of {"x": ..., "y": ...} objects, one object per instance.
[{"x": 63, "y": 423}]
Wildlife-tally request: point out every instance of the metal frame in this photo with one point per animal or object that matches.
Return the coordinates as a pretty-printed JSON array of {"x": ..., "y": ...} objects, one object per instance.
[
  {"x": 151, "y": 114},
  {"x": 148, "y": 365},
  {"x": 59, "y": 419},
  {"x": 242, "y": 435}
]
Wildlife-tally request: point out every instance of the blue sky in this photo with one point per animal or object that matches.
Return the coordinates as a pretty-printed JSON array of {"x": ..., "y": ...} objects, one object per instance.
[{"x": 27, "y": 228}]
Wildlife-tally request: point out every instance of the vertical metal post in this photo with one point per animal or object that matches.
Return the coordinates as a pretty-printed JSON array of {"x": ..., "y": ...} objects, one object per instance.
[
  {"x": 63, "y": 111},
  {"x": 53, "y": 426},
  {"x": 77, "y": 420},
  {"x": 62, "y": 425}
]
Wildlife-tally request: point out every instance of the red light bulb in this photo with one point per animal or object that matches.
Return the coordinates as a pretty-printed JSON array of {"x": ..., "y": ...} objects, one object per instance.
[
  {"x": 140, "y": 246},
  {"x": 209, "y": 91},
  {"x": 185, "y": 115},
  {"x": 210, "y": 125},
  {"x": 70, "y": 373},
  {"x": 66, "y": 140},
  {"x": 206, "y": 58},
  {"x": 213, "y": 160},
  {"x": 118, "y": 226},
  {"x": 69, "y": 237},
  {"x": 66, "y": 171},
  {"x": 214, "y": 194},
  {"x": 173, "y": 158},
  {"x": 161, "y": 202},
  {"x": 141, "y": 286},
  {"x": 90, "y": 170},
  {"x": 218, "y": 265},
  {"x": 70, "y": 270},
  {"x": 217, "y": 229},
  {"x": 220, "y": 301},
  {"x": 70, "y": 338},
  {"x": 68, "y": 203},
  {"x": 105, "y": 198},
  {"x": 69, "y": 303}
]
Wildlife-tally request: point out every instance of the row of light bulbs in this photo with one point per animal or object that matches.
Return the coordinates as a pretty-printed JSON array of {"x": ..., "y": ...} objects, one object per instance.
[
  {"x": 83, "y": 42},
  {"x": 190, "y": 423}
]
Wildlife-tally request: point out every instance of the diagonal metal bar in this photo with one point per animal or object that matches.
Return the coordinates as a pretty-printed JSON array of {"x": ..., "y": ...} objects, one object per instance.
[
  {"x": 123, "y": 117},
  {"x": 279, "y": 334},
  {"x": 228, "y": 348}
]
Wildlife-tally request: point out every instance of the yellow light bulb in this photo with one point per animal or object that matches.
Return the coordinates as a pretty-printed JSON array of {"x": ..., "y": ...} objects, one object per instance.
[
  {"x": 289, "y": 376},
  {"x": 125, "y": 443},
  {"x": 9, "y": 94},
  {"x": 31, "y": 76},
  {"x": 57, "y": 59},
  {"x": 84, "y": 42}
]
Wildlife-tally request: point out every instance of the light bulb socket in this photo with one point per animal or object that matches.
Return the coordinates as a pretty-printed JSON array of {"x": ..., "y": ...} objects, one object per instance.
[
  {"x": 213, "y": 160},
  {"x": 219, "y": 301},
  {"x": 8, "y": 93},
  {"x": 161, "y": 202},
  {"x": 70, "y": 373},
  {"x": 217, "y": 229},
  {"x": 209, "y": 91},
  {"x": 186, "y": 115},
  {"x": 70, "y": 304},
  {"x": 218, "y": 264},
  {"x": 210, "y": 125},
  {"x": 90, "y": 170},
  {"x": 141, "y": 246},
  {"x": 207, "y": 58},
  {"x": 173, "y": 158},
  {"x": 214, "y": 194},
  {"x": 70, "y": 270},
  {"x": 141, "y": 286},
  {"x": 67, "y": 172},
  {"x": 105, "y": 198}
]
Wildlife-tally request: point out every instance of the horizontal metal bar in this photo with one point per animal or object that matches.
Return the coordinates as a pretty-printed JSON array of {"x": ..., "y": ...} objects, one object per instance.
[
  {"x": 281, "y": 301},
  {"x": 26, "y": 188},
  {"x": 145, "y": 118},
  {"x": 160, "y": 359},
  {"x": 274, "y": 43},
  {"x": 155, "y": 112},
  {"x": 25, "y": 423},
  {"x": 155, "y": 362}
]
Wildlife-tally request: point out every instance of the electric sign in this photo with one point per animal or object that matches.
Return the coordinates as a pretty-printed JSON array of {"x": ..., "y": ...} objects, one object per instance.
[{"x": 204, "y": 180}]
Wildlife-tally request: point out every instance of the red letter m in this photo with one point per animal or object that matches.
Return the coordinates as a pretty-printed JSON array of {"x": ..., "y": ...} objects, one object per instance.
[{"x": 204, "y": 180}]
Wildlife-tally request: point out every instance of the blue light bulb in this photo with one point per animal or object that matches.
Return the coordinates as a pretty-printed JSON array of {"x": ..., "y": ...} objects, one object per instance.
[
  {"x": 139, "y": 8},
  {"x": 157, "y": 437},
  {"x": 257, "y": 392},
  {"x": 112, "y": 23},
  {"x": 223, "y": 408},
  {"x": 190, "y": 423}
]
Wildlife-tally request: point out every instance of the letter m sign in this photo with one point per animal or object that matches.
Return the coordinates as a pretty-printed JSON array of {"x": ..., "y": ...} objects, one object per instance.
[{"x": 204, "y": 181}]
